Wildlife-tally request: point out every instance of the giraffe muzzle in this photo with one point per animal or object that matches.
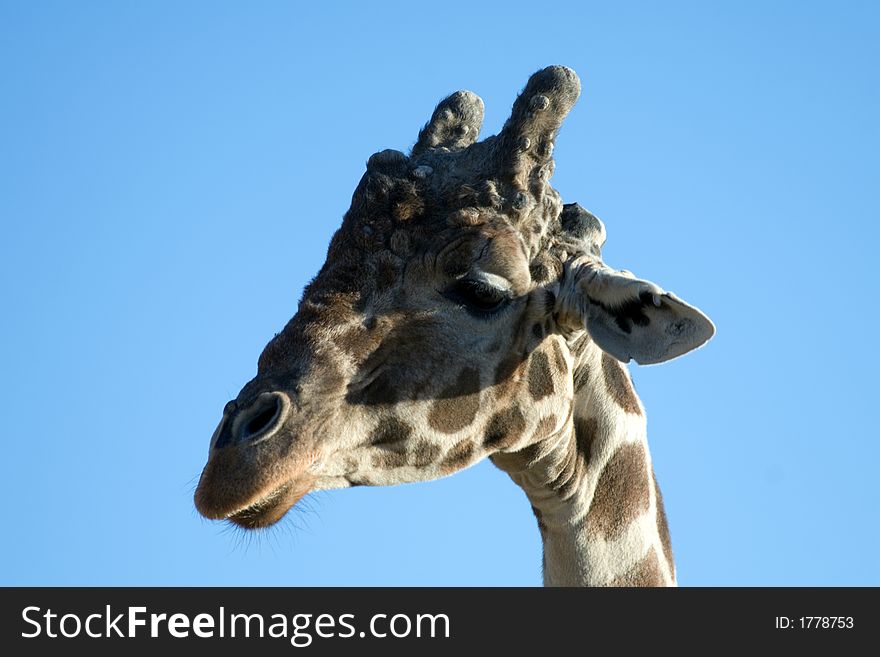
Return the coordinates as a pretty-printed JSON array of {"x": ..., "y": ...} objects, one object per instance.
[{"x": 257, "y": 467}]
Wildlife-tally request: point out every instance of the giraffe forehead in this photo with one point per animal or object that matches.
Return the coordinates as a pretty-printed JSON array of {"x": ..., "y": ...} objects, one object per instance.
[
  {"x": 494, "y": 248},
  {"x": 421, "y": 258}
]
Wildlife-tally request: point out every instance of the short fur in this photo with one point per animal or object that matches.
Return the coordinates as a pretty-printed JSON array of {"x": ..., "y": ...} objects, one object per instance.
[{"x": 464, "y": 312}]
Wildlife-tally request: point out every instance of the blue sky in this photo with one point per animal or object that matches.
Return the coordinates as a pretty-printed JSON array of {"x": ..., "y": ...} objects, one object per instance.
[{"x": 170, "y": 176}]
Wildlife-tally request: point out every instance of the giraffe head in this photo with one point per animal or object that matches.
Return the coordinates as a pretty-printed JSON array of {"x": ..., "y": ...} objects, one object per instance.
[{"x": 442, "y": 326}]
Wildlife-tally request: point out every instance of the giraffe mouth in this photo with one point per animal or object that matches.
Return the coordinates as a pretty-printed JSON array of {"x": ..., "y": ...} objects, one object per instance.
[{"x": 272, "y": 507}]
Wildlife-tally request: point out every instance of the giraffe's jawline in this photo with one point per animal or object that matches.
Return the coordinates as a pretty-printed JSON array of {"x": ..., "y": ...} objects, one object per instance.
[{"x": 272, "y": 507}]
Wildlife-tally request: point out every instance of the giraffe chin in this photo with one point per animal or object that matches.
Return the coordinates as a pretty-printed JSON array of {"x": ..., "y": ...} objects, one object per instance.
[{"x": 271, "y": 508}]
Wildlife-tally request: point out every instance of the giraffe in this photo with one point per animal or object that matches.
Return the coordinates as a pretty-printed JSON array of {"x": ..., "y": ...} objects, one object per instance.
[{"x": 465, "y": 312}]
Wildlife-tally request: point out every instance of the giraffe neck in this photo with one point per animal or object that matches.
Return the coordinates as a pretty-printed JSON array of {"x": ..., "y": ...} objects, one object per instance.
[{"x": 592, "y": 487}]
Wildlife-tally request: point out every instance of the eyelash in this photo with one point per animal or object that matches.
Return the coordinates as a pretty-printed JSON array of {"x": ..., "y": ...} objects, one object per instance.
[{"x": 467, "y": 292}]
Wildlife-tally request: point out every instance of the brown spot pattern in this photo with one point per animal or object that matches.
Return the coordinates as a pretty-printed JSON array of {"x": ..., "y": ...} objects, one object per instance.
[
  {"x": 390, "y": 431},
  {"x": 509, "y": 374},
  {"x": 506, "y": 368},
  {"x": 390, "y": 435},
  {"x": 622, "y": 493},
  {"x": 619, "y": 385},
  {"x": 581, "y": 376},
  {"x": 425, "y": 453},
  {"x": 529, "y": 454},
  {"x": 645, "y": 573},
  {"x": 586, "y": 430},
  {"x": 389, "y": 459},
  {"x": 662, "y": 525},
  {"x": 540, "y": 378},
  {"x": 504, "y": 429},
  {"x": 573, "y": 467},
  {"x": 458, "y": 404},
  {"x": 457, "y": 457}
]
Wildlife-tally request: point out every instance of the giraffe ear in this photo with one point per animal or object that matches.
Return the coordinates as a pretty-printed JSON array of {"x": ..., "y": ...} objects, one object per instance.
[{"x": 630, "y": 318}]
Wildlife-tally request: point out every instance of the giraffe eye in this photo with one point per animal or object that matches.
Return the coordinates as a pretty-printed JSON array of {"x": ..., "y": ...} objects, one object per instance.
[{"x": 479, "y": 297}]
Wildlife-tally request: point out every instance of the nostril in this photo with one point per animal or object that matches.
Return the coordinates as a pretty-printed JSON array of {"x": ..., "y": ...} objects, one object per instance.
[
  {"x": 261, "y": 421},
  {"x": 260, "y": 418}
]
